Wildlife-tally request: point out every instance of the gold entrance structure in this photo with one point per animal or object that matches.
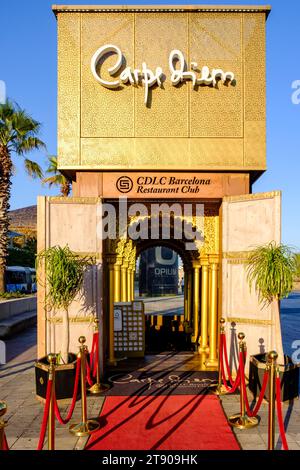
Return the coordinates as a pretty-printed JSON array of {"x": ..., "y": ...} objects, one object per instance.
[{"x": 187, "y": 142}]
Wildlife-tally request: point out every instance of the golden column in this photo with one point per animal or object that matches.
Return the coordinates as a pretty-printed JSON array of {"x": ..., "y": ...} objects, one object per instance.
[
  {"x": 129, "y": 280},
  {"x": 132, "y": 284},
  {"x": 124, "y": 282},
  {"x": 132, "y": 263},
  {"x": 114, "y": 258},
  {"x": 111, "y": 271},
  {"x": 185, "y": 293},
  {"x": 125, "y": 290},
  {"x": 213, "y": 317},
  {"x": 196, "y": 295},
  {"x": 117, "y": 280},
  {"x": 204, "y": 305},
  {"x": 189, "y": 296}
]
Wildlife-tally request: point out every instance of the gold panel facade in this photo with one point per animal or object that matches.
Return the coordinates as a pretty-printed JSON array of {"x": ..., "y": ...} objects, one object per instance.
[{"x": 182, "y": 127}]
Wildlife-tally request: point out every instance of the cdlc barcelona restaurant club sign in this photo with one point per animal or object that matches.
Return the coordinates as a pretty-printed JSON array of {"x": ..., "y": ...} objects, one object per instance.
[{"x": 148, "y": 78}]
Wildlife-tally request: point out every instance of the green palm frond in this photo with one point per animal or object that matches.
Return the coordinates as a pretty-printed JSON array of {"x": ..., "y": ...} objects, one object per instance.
[
  {"x": 272, "y": 269},
  {"x": 52, "y": 168},
  {"x": 33, "y": 169},
  {"x": 18, "y": 130},
  {"x": 57, "y": 178}
]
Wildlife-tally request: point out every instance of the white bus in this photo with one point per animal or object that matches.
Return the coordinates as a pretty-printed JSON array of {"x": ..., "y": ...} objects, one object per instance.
[{"x": 20, "y": 279}]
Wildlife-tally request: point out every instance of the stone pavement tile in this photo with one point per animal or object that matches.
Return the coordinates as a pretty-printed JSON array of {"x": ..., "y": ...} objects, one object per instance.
[
  {"x": 293, "y": 446},
  {"x": 250, "y": 439},
  {"x": 64, "y": 443},
  {"x": 81, "y": 443},
  {"x": 24, "y": 443},
  {"x": 254, "y": 447}
]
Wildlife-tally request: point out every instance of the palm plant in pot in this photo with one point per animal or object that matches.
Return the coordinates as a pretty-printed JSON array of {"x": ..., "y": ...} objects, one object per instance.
[
  {"x": 63, "y": 271},
  {"x": 272, "y": 269}
]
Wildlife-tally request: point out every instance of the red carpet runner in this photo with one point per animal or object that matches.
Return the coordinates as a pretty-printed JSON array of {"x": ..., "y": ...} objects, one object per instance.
[{"x": 181, "y": 422}]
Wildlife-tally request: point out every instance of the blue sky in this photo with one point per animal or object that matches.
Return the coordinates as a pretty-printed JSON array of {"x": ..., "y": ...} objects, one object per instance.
[{"x": 28, "y": 67}]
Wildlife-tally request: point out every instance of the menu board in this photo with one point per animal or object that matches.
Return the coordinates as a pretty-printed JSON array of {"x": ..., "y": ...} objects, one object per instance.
[{"x": 129, "y": 330}]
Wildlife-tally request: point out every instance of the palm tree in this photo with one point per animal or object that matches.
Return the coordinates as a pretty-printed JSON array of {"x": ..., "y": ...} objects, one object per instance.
[
  {"x": 57, "y": 178},
  {"x": 18, "y": 135},
  {"x": 272, "y": 269}
]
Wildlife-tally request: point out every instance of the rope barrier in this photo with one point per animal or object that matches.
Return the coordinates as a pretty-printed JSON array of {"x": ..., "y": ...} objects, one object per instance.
[
  {"x": 256, "y": 408},
  {"x": 86, "y": 426},
  {"x": 88, "y": 373},
  {"x": 91, "y": 356},
  {"x": 96, "y": 360},
  {"x": 45, "y": 416},
  {"x": 4, "y": 442},
  {"x": 279, "y": 414},
  {"x": 92, "y": 360},
  {"x": 224, "y": 346},
  {"x": 235, "y": 383},
  {"x": 58, "y": 416}
]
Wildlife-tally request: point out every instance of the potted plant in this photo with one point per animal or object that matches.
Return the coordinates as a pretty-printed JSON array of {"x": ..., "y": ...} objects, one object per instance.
[
  {"x": 272, "y": 269},
  {"x": 64, "y": 273}
]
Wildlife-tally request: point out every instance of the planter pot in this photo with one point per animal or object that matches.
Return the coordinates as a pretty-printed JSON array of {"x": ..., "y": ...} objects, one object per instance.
[
  {"x": 64, "y": 379},
  {"x": 289, "y": 376}
]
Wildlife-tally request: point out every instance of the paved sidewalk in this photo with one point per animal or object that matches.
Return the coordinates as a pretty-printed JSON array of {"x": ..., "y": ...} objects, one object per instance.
[
  {"x": 25, "y": 412},
  {"x": 257, "y": 438},
  {"x": 24, "y": 416}
]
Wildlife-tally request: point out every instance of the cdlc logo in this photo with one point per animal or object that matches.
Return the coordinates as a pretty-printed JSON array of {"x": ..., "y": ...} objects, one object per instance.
[{"x": 124, "y": 184}]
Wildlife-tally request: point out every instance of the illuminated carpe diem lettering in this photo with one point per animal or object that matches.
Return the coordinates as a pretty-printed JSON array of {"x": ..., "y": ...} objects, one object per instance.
[{"x": 148, "y": 78}]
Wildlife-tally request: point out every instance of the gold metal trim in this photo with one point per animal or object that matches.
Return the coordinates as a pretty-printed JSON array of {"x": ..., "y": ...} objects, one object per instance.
[
  {"x": 250, "y": 321},
  {"x": 251, "y": 197},
  {"x": 83, "y": 254},
  {"x": 161, "y": 8},
  {"x": 73, "y": 200},
  {"x": 237, "y": 261},
  {"x": 88, "y": 319},
  {"x": 237, "y": 257},
  {"x": 236, "y": 254}
]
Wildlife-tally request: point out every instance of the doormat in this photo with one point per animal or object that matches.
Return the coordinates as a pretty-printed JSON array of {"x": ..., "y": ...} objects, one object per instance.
[
  {"x": 161, "y": 383},
  {"x": 186, "y": 422}
]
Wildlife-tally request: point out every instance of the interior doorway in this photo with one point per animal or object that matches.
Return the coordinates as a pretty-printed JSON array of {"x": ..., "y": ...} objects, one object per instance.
[{"x": 159, "y": 283}]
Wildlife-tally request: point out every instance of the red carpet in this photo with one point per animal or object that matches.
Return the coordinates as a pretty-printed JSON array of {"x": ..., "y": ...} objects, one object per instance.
[{"x": 182, "y": 422}]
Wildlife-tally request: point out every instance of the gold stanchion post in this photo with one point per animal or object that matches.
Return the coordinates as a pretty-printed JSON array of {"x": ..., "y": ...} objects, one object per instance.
[
  {"x": 241, "y": 420},
  {"x": 3, "y": 410},
  {"x": 51, "y": 419},
  {"x": 272, "y": 358},
  {"x": 220, "y": 390},
  {"x": 86, "y": 426},
  {"x": 98, "y": 388}
]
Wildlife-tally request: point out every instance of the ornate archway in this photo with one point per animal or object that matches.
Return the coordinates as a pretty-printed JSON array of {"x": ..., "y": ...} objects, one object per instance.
[{"x": 201, "y": 270}]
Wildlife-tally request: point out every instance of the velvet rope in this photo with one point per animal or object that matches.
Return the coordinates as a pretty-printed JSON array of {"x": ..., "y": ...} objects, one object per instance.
[
  {"x": 256, "y": 408},
  {"x": 96, "y": 361},
  {"x": 45, "y": 415},
  {"x": 279, "y": 415},
  {"x": 59, "y": 418},
  {"x": 88, "y": 374},
  {"x": 92, "y": 353},
  {"x": 223, "y": 336},
  {"x": 4, "y": 443},
  {"x": 237, "y": 380}
]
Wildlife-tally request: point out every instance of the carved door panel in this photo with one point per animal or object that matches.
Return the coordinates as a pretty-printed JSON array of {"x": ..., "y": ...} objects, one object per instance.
[{"x": 247, "y": 221}]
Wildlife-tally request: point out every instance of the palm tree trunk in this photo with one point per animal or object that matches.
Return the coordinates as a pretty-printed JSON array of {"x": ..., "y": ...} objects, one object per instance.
[
  {"x": 5, "y": 183},
  {"x": 65, "y": 336},
  {"x": 65, "y": 188},
  {"x": 278, "y": 335}
]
